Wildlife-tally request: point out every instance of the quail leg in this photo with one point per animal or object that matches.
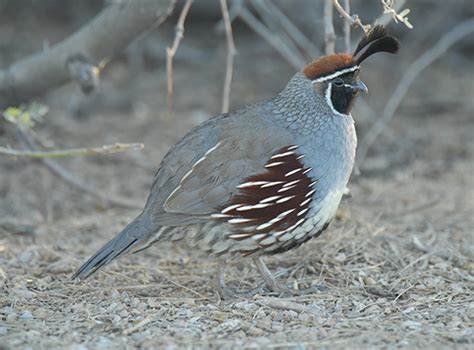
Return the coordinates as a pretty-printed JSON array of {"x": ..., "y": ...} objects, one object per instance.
[
  {"x": 220, "y": 280},
  {"x": 270, "y": 281}
]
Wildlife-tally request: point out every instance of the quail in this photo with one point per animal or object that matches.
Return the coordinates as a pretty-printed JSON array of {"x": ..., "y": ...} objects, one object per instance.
[{"x": 261, "y": 180}]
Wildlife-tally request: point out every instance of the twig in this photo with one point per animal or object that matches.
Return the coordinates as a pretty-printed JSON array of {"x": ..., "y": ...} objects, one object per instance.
[
  {"x": 230, "y": 56},
  {"x": 139, "y": 325},
  {"x": 417, "y": 208},
  {"x": 69, "y": 178},
  {"x": 233, "y": 14},
  {"x": 443, "y": 44},
  {"x": 329, "y": 35},
  {"x": 171, "y": 51},
  {"x": 293, "y": 32},
  {"x": 347, "y": 28},
  {"x": 402, "y": 293},
  {"x": 354, "y": 20},
  {"x": 388, "y": 8},
  {"x": 285, "y": 305},
  {"x": 385, "y": 18},
  {"x": 295, "y": 61},
  {"x": 107, "y": 149},
  {"x": 274, "y": 27}
]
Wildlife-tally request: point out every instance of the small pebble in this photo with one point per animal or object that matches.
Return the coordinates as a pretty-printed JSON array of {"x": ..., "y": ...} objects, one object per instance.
[
  {"x": 290, "y": 315},
  {"x": 23, "y": 293},
  {"x": 77, "y": 347},
  {"x": 11, "y": 318},
  {"x": 26, "y": 315},
  {"x": 304, "y": 317},
  {"x": 246, "y": 306},
  {"x": 116, "y": 319},
  {"x": 411, "y": 325},
  {"x": 255, "y": 332},
  {"x": 8, "y": 310},
  {"x": 25, "y": 257}
]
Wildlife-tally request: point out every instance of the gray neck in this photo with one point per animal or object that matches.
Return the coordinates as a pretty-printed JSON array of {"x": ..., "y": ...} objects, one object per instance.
[{"x": 300, "y": 107}]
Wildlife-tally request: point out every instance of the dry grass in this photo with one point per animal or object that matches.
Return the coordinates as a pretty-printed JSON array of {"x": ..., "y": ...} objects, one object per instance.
[{"x": 387, "y": 274}]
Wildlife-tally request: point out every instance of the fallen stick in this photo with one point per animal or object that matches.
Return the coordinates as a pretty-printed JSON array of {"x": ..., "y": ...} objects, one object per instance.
[{"x": 73, "y": 152}]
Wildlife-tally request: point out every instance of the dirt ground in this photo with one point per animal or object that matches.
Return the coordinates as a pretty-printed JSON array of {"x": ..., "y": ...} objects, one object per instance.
[{"x": 395, "y": 269}]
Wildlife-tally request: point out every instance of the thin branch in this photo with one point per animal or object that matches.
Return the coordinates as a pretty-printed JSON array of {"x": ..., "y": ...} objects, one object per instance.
[
  {"x": 454, "y": 35},
  {"x": 106, "y": 149},
  {"x": 148, "y": 319},
  {"x": 233, "y": 14},
  {"x": 171, "y": 51},
  {"x": 273, "y": 26},
  {"x": 295, "y": 61},
  {"x": 392, "y": 11},
  {"x": 329, "y": 35},
  {"x": 72, "y": 180},
  {"x": 347, "y": 28},
  {"x": 281, "y": 304},
  {"x": 111, "y": 31},
  {"x": 230, "y": 56},
  {"x": 354, "y": 20},
  {"x": 385, "y": 18},
  {"x": 281, "y": 21}
]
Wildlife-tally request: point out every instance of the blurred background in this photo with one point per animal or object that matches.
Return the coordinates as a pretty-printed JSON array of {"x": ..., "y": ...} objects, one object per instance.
[
  {"x": 433, "y": 124},
  {"x": 412, "y": 194}
]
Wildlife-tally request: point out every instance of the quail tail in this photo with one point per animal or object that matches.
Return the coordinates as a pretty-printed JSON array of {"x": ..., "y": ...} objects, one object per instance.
[{"x": 134, "y": 236}]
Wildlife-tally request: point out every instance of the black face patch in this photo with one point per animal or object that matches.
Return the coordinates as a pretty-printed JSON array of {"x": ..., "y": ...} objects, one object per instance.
[{"x": 342, "y": 93}]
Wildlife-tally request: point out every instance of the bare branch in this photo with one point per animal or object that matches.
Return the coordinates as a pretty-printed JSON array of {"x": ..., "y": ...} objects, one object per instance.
[
  {"x": 72, "y": 180},
  {"x": 329, "y": 35},
  {"x": 271, "y": 24},
  {"x": 230, "y": 56},
  {"x": 171, "y": 51},
  {"x": 257, "y": 26},
  {"x": 107, "y": 34},
  {"x": 347, "y": 28},
  {"x": 277, "y": 20},
  {"x": 386, "y": 18},
  {"x": 95, "y": 151},
  {"x": 354, "y": 20},
  {"x": 454, "y": 35},
  {"x": 391, "y": 11},
  {"x": 234, "y": 11}
]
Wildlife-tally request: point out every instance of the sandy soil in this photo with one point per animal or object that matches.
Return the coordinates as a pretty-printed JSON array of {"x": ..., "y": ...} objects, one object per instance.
[{"x": 394, "y": 270}]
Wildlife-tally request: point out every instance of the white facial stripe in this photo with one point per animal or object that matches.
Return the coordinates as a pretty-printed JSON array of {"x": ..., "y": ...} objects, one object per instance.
[
  {"x": 336, "y": 74},
  {"x": 327, "y": 94}
]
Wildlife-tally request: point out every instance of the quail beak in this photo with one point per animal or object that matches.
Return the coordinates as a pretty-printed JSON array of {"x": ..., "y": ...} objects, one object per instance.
[{"x": 360, "y": 86}]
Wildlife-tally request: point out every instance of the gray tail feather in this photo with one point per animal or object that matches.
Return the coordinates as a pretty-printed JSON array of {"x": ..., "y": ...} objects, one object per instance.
[{"x": 132, "y": 236}]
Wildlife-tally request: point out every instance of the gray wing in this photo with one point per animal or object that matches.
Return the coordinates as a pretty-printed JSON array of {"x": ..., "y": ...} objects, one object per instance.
[{"x": 202, "y": 171}]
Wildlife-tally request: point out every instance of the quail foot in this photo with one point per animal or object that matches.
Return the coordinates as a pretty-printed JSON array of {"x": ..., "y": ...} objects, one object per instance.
[{"x": 261, "y": 180}]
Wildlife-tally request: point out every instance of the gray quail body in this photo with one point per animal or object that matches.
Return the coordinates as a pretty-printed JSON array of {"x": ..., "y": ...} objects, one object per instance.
[{"x": 261, "y": 180}]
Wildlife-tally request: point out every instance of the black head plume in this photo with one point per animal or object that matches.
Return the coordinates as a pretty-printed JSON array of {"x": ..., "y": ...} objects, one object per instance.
[{"x": 376, "y": 40}]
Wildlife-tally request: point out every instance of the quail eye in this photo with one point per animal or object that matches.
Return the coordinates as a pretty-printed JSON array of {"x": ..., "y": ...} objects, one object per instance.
[{"x": 338, "y": 82}]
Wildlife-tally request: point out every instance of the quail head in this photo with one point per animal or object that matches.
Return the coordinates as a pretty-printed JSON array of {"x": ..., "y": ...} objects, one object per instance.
[{"x": 263, "y": 179}]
